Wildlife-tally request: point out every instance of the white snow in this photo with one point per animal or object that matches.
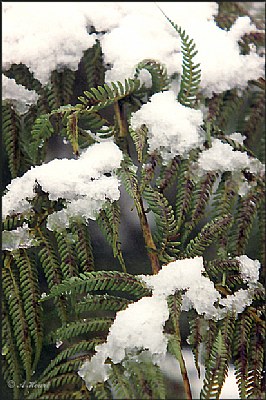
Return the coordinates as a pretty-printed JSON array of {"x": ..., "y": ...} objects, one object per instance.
[
  {"x": 81, "y": 182},
  {"x": 17, "y": 238},
  {"x": 140, "y": 325},
  {"x": 172, "y": 128},
  {"x": 47, "y": 36},
  {"x": 221, "y": 157},
  {"x": 249, "y": 269},
  {"x": 20, "y": 96}
]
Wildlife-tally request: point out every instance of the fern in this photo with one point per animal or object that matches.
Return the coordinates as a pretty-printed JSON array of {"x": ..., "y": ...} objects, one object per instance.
[
  {"x": 139, "y": 137},
  {"x": 108, "y": 219},
  {"x": 122, "y": 387},
  {"x": 20, "y": 327},
  {"x": 82, "y": 246},
  {"x": 209, "y": 232},
  {"x": 22, "y": 75},
  {"x": 190, "y": 78},
  {"x": 101, "y": 302},
  {"x": 101, "y": 280},
  {"x": 93, "y": 65},
  {"x": 184, "y": 190},
  {"x": 166, "y": 234},
  {"x": 106, "y": 95},
  {"x": 216, "y": 370},
  {"x": 30, "y": 295},
  {"x": 168, "y": 174},
  {"x": 42, "y": 130},
  {"x": 11, "y": 132},
  {"x": 68, "y": 265},
  {"x": 158, "y": 72}
]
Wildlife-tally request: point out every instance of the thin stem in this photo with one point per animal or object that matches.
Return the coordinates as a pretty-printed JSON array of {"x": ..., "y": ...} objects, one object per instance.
[{"x": 150, "y": 245}]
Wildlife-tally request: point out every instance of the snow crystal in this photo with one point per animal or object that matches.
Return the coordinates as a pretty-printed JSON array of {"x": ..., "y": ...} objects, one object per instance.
[
  {"x": 238, "y": 301},
  {"x": 18, "y": 238},
  {"x": 80, "y": 182},
  {"x": 172, "y": 128},
  {"x": 20, "y": 96},
  {"x": 47, "y": 36},
  {"x": 58, "y": 343},
  {"x": 238, "y": 137},
  {"x": 222, "y": 157},
  {"x": 249, "y": 269}
]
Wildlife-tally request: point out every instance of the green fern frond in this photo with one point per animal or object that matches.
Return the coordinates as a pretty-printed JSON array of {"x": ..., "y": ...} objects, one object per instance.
[
  {"x": 241, "y": 343},
  {"x": 225, "y": 195},
  {"x": 199, "y": 200},
  {"x": 30, "y": 294},
  {"x": 245, "y": 215},
  {"x": 77, "y": 328},
  {"x": 82, "y": 246},
  {"x": 72, "y": 131},
  {"x": 168, "y": 174},
  {"x": 60, "y": 88},
  {"x": 42, "y": 130},
  {"x": 97, "y": 98},
  {"x": 207, "y": 235},
  {"x": 166, "y": 234},
  {"x": 256, "y": 353},
  {"x": 51, "y": 267},
  {"x": 101, "y": 302},
  {"x": 139, "y": 137},
  {"x": 122, "y": 386},
  {"x": 108, "y": 220},
  {"x": 20, "y": 328},
  {"x": 65, "y": 246},
  {"x": 101, "y": 280},
  {"x": 102, "y": 391},
  {"x": 93, "y": 65},
  {"x": 184, "y": 192},
  {"x": 22, "y": 75},
  {"x": 11, "y": 136},
  {"x": 216, "y": 370},
  {"x": 82, "y": 347},
  {"x": 148, "y": 172},
  {"x": 127, "y": 174},
  {"x": 42, "y": 391},
  {"x": 197, "y": 326},
  {"x": 11, "y": 362},
  {"x": 147, "y": 379},
  {"x": 158, "y": 72},
  {"x": 190, "y": 78}
]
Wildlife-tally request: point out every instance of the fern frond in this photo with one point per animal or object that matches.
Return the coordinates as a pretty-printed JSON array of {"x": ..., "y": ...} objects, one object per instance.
[
  {"x": 166, "y": 234},
  {"x": 190, "y": 78},
  {"x": 139, "y": 137},
  {"x": 93, "y": 65},
  {"x": 72, "y": 131},
  {"x": 11, "y": 362},
  {"x": 147, "y": 379},
  {"x": 30, "y": 294},
  {"x": 197, "y": 326},
  {"x": 12, "y": 294},
  {"x": 42, "y": 390},
  {"x": 168, "y": 174},
  {"x": 102, "y": 391},
  {"x": 246, "y": 212},
  {"x": 11, "y": 132},
  {"x": 77, "y": 328},
  {"x": 127, "y": 174},
  {"x": 82, "y": 347},
  {"x": 216, "y": 370},
  {"x": 122, "y": 386},
  {"x": 60, "y": 88},
  {"x": 82, "y": 246},
  {"x": 158, "y": 72},
  {"x": 184, "y": 192},
  {"x": 241, "y": 343},
  {"x": 22, "y": 75},
  {"x": 200, "y": 197},
  {"x": 65, "y": 246},
  {"x": 51, "y": 267},
  {"x": 108, "y": 220},
  {"x": 97, "y": 98},
  {"x": 42, "y": 130},
  {"x": 101, "y": 302},
  {"x": 148, "y": 172},
  {"x": 104, "y": 281},
  {"x": 207, "y": 235}
]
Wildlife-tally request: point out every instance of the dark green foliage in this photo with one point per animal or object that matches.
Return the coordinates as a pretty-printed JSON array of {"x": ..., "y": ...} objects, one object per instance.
[{"x": 194, "y": 216}]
